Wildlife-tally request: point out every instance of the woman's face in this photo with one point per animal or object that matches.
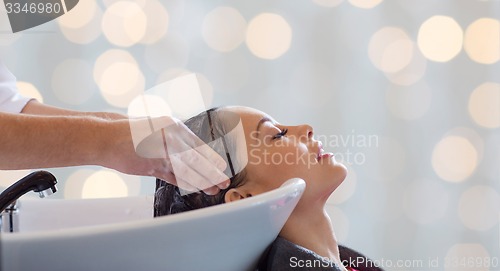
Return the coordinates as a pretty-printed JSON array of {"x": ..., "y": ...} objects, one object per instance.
[{"x": 278, "y": 152}]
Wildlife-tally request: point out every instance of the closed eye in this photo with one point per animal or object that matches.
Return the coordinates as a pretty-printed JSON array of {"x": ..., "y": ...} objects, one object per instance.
[{"x": 281, "y": 134}]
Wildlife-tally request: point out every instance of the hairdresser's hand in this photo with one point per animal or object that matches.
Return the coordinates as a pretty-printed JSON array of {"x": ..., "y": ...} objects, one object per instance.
[{"x": 183, "y": 159}]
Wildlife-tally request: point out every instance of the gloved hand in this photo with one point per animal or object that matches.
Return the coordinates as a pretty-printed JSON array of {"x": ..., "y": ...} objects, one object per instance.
[{"x": 177, "y": 155}]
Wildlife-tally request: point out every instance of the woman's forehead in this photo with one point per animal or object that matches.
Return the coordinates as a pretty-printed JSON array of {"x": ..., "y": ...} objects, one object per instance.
[{"x": 248, "y": 115}]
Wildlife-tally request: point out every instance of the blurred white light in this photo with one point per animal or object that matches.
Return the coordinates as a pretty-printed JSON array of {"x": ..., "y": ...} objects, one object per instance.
[
  {"x": 340, "y": 222},
  {"x": 157, "y": 21},
  {"x": 345, "y": 191},
  {"x": 86, "y": 11},
  {"x": 153, "y": 21},
  {"x": 454, "y": 158},
  {"x": 268, "y": 36},
  {"x": 390, "y": 49},
  {"x": 118, "y": 76},
  {"x": 479, "y": 207},
  {"x": 73, "y": 185},
  {"x": 365, "y": 3},
  {"x": 484, "y": 105},
  {"x": 472, "y": 136},
  {"x": 85, "y": 34},
  {"x": 425, "y": 201},
  {"x": 409, "y": 102},
  {"x": 85, "y": 27},
  {"x": 72, "y": 83},
  {"x": 397, "y": 55},
  {"x": 29, "y": 90},
  {"x": 124, "y": 23},
  {"x": 109, "y": 57},
  {"x": 482, "y": 40},
  {"x": 120, "y": 83},
  {"x": 328, "y": 3},
  {"x": 440, "y": 38},
  {"x": 104, "y": 184},
  {"x": 224, "y": 29},
  {"x": 412, "y": 72}
]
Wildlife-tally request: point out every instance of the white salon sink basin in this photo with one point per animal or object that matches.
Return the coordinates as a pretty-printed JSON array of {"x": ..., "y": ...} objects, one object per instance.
[
  {"x": 120, "y": 234},
  {"x": 53, "y": 214}
]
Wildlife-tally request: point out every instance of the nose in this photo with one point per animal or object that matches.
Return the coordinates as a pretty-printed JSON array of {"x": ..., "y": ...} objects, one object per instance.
[{"x": 305, "y": 132}]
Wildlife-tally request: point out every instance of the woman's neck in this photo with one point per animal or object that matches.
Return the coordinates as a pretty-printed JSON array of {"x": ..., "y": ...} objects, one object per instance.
[{"x": 312, "y": 229}]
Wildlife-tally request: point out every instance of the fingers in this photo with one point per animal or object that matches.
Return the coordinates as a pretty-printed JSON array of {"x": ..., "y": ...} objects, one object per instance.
[
  {"x": 187, "y": 187},
  {"x": 190, "y": 141},
  {"x": 193, "y": 164},
  {"x": 195, "y": 161},
  {"x": 193, "y": 172},
  {"x": 181, "y": 183},
  {"x": 196, "y": 171},
  {"x": 168, "y": 177},
  {"x": 225, "y": 184},
  {"x": 212, "y": 190},
  {"x": 205, "y": 166}
]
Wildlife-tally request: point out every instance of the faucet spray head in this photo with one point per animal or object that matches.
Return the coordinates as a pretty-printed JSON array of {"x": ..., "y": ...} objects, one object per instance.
[{"x": 47, "y": 192}]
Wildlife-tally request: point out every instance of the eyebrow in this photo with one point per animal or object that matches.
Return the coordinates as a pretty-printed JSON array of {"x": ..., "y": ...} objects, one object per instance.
[{"x": 261, "y": 121}]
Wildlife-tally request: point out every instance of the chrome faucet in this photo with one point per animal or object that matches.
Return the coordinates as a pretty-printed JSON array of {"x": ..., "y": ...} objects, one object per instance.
[
  {"x": 41, "y": 181},
  {"x": 9, "y": 219}
]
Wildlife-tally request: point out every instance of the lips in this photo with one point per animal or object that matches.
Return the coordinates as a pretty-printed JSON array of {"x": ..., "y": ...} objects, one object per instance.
[
  {"x": 321, "y": 152},
  {"x": 325, "y": 155}
]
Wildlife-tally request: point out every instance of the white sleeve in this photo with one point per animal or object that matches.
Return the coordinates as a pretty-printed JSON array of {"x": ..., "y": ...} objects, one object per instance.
[{"x": 10, "y": 99}]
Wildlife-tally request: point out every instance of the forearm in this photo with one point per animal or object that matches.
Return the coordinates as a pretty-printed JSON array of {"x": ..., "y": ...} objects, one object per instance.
[
  {"x": 36, "y": 108},
  {"x": 29, "y": 141}
]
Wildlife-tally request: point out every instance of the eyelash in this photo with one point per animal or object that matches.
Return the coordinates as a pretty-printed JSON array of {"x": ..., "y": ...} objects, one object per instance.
[{"x": 280, "y": 134}]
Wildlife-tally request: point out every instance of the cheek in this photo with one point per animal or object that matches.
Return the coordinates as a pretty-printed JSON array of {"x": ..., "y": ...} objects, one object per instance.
[
  {"x": 282, "y": 158},
  {"x": 274, "y": 165},
  {"x": 271, "y": 169}
]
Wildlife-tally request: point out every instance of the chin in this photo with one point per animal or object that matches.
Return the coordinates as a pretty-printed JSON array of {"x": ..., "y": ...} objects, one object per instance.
[
  {"x": 326, "y": 182},
  {"x": 337, "y": 175}
]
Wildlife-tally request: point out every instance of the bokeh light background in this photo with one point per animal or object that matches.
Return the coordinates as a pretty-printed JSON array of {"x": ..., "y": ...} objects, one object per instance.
[{"x": 406, "y": 93}]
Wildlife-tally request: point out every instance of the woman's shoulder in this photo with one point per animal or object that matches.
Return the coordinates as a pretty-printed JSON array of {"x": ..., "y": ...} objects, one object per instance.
[
  {"x": 285, "y": 255},
  {"x": 354, "y": 259}
]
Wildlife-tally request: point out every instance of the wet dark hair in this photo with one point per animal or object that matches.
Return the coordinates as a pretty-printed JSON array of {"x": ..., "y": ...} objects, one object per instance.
[{"x": 208, "y": 126}]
